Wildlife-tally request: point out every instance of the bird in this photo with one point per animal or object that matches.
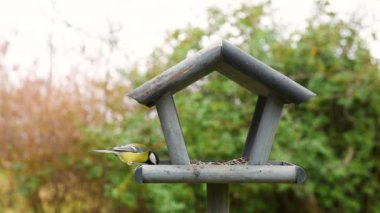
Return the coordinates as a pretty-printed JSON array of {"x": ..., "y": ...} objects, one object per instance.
[{"x": 133, "y": 154}]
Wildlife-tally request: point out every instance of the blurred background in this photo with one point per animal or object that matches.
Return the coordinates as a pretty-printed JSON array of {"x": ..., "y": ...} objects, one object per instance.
[{"x": 66, "y": 67}]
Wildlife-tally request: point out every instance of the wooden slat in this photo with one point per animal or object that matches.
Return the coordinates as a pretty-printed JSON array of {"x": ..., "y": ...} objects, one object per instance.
[
  {"x": 266, "y": 129},
  {"x": 253, "y": 127},
  {"x": 179, "y": 76},
  {"x": 277, "y": 83},
  {"x": 219, "y": 174},
  {"x": 167, "y": 114}
]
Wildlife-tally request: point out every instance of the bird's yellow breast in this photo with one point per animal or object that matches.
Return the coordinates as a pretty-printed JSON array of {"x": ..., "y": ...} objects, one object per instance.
[{"x": 130, "y": 157}]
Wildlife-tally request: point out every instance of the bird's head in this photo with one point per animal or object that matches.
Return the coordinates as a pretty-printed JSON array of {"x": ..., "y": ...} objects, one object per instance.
[{"x": 152, "y": 159}]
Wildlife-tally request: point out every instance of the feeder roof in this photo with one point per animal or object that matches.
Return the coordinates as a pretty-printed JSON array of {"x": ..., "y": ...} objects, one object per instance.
[{"x": 231, "y": 62}]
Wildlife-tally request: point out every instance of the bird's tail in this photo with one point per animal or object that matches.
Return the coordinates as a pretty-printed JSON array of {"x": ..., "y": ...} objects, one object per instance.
[{"x": 105, "y": 151}]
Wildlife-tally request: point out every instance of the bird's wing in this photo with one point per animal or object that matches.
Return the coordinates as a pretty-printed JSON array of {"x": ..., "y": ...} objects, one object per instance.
[
  {"x": 105, "y": 151},
  {"x": 135, "y": 148}
]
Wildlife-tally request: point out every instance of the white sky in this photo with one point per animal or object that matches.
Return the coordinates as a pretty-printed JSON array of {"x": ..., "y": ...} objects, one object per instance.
[{"x": 28, "y": 25}]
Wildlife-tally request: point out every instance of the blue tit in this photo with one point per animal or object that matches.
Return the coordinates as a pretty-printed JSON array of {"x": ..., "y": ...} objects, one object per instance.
[{"x": 133, "y": 154}]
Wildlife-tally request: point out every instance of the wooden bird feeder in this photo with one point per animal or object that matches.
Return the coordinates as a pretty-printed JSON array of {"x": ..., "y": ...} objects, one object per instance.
[{"x": 274, "y": 90}]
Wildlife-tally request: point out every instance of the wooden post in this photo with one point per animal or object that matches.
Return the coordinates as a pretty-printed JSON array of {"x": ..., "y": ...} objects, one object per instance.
[
  {"x": 172, "y": 130},
  {"x": 259, "y": 143},
  {"x": 254, "y": 126},
  {"x": 217, "y": 198}
]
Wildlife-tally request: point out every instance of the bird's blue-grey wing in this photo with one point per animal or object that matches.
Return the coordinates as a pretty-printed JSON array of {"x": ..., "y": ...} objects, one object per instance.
[
  {"x": 106, "y": 151},
  {"x": 129, "y": 148}
]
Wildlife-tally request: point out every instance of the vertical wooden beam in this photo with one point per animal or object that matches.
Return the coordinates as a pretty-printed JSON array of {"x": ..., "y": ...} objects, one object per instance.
[
  {"x": 217, "y": 198},
  {"x": 254, "y": 126},
  {"x": 260, "y": 142},
  {"x": 171, "y": 128}
]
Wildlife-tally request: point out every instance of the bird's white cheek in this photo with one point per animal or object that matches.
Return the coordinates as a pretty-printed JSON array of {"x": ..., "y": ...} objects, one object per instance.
[{"x": 153, "y": 159}]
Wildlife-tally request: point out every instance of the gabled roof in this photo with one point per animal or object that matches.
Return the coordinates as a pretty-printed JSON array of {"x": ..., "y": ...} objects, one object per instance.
[{"x": 231, "y": 62}]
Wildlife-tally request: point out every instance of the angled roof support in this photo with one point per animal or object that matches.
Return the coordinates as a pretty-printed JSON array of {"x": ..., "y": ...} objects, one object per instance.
[
  {"x": 255, "y": 121},
  {"x": 172, "y": 130},
  {"x": 263, "y": 128}
]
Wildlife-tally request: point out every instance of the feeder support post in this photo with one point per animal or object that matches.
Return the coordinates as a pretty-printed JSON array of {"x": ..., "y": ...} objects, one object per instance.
[
  {"x": 253, "y": 127},
  {"x": 217, "y": 198},
  {"x": 262, "y": 130},
  {"x": 171, "y": 127}
]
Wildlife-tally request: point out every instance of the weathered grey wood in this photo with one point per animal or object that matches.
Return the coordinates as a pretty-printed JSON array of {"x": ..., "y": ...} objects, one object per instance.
[
  {"x": 230, "y": 61},
  {"x": 268, "y": 163},
  {"x": 262, "y": 142},
  {"x": 167, "y": 114},
  {"x": 242, "y": 79},
  {"x": 218, "y": 200},
  {"x": 179, "y": 76},
  {"x": 219, "y": 174},
  {"x": 253, "y": 127},
  {"x": 277, "y": 83}
]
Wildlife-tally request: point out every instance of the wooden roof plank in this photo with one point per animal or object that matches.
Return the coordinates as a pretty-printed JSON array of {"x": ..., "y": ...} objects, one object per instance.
[
  {"x": 276, "y": 82},
  {"x": 230, "y": 61},
  {"x": 179, "y": 76}
]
